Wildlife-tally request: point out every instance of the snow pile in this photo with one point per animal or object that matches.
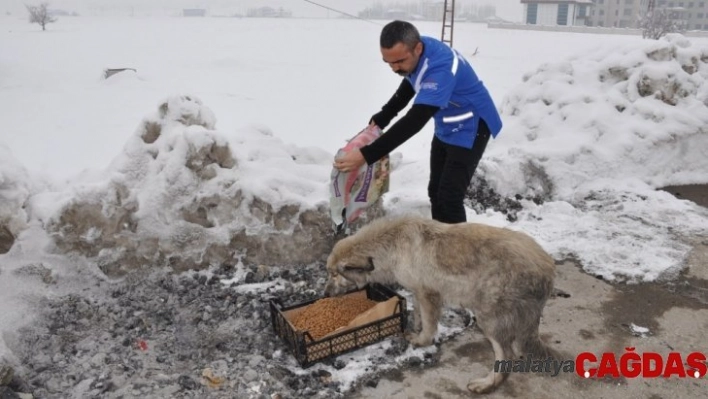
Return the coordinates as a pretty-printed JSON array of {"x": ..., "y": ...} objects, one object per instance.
[
  {"x": 639, "y": 106},
  {"x": 183, "y": 195},
  {"x": 14, "y": 192},
  {"x": 592, "y": 138}
]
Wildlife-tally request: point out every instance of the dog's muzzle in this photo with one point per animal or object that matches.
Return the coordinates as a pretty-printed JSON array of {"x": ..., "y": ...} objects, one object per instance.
[{"x": 337, "y": 285}]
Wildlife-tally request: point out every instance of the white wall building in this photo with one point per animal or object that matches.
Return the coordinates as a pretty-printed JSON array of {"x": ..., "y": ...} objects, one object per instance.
[{"x": 556, "y": 12}]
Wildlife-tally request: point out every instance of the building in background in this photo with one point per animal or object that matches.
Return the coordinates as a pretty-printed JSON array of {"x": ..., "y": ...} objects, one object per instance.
[
  {"x": 268, "y": 12},
  {"x": 193, "y": 12},
  {"x": 557, "y": 12},
  {"x": 430, "y": 10},
  {"x": 617, "y": 13},
  {"x": 626, "y": 13},
  {"x": 693, "y": 13}
]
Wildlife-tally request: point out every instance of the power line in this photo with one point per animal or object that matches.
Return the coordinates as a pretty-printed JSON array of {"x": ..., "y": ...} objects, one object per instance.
[{"x": 342, "y": 12}]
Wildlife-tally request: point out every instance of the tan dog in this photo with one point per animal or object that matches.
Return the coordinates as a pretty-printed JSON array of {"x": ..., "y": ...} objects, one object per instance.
[{"x": 502, "y": 275}]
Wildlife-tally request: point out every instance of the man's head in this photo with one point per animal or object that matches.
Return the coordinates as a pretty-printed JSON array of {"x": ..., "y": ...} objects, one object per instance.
[{"x": 401, "y": 46}]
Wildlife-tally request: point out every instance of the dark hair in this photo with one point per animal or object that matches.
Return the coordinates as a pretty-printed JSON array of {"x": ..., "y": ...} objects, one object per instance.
[{"x": 399, "y": 32}]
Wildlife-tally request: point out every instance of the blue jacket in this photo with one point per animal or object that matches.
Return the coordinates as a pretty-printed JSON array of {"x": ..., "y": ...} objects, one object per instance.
[{"x": 443, "y": 78}]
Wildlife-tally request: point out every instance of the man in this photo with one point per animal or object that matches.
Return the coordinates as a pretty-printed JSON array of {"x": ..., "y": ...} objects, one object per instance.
[{"x": 447, "y": 89}]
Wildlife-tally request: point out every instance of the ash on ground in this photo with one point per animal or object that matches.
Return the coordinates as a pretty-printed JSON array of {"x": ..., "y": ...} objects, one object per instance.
[
  {"x": 201, "y": 334},
  {"x": 480, "y": 197}
]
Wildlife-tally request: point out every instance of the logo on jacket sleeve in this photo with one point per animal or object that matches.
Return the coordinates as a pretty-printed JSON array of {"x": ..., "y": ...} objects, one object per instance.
[{"x": 429, "y": 85}]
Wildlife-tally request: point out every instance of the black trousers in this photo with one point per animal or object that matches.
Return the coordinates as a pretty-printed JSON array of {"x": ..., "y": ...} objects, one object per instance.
[{"x": 451, "y": 170}]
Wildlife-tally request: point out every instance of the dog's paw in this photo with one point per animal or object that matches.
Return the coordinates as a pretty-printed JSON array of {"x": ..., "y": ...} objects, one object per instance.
[
  {"x": 417, "y": 325},
  {"x": 418, "y": 340},
  {"x": 481, "y": 385}
]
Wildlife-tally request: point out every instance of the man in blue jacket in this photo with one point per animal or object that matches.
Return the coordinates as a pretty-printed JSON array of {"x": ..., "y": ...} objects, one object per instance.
[{"x": 447, "y": 89}]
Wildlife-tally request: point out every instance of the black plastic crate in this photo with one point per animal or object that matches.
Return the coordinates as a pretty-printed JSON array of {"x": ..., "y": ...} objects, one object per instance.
[{"x": 308, "y": 351}]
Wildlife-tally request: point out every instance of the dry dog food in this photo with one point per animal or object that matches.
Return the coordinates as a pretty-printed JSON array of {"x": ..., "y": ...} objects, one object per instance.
[{"x": 328, "y": 314}]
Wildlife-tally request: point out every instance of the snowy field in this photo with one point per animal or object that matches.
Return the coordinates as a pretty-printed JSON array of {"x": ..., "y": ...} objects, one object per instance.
[{"x": 593, "y": 125}]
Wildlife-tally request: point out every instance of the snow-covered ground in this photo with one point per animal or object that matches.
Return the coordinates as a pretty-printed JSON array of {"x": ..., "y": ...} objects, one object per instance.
[{"x": 593, "y": 125}]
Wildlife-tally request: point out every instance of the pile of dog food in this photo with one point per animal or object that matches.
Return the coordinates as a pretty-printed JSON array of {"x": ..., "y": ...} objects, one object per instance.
[{"x": 328, "y": 314}]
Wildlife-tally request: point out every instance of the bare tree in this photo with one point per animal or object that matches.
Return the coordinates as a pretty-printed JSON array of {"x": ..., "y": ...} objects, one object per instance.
[
  {"x": 40, "y": 15},
  {"x": 658, "y": 22}
]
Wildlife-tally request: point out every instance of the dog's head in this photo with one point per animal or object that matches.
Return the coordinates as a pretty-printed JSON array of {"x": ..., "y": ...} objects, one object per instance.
[{"x": 347, "y": 272}]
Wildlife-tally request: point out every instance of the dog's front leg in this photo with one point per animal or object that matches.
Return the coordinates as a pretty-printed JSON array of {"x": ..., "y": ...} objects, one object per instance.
[
  {"x": 417, "y": 323},
  {"x": 429, "y": 306}
]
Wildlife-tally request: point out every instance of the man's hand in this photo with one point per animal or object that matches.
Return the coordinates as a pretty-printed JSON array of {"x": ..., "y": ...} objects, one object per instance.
[{"x": 350, "y": 161}]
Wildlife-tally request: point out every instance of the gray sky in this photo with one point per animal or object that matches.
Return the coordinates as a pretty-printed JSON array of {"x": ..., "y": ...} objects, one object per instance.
[{"x": 508, "y": 9}]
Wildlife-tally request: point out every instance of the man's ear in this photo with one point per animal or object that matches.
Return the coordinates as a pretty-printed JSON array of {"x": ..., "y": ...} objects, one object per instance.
[
  {"x": 418, "y": 49},
  {"x": 369, "y": 267}
]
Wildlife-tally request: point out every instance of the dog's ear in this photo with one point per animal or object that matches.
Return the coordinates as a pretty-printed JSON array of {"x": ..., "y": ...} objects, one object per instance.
[{"x": 369, "y": 267}]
